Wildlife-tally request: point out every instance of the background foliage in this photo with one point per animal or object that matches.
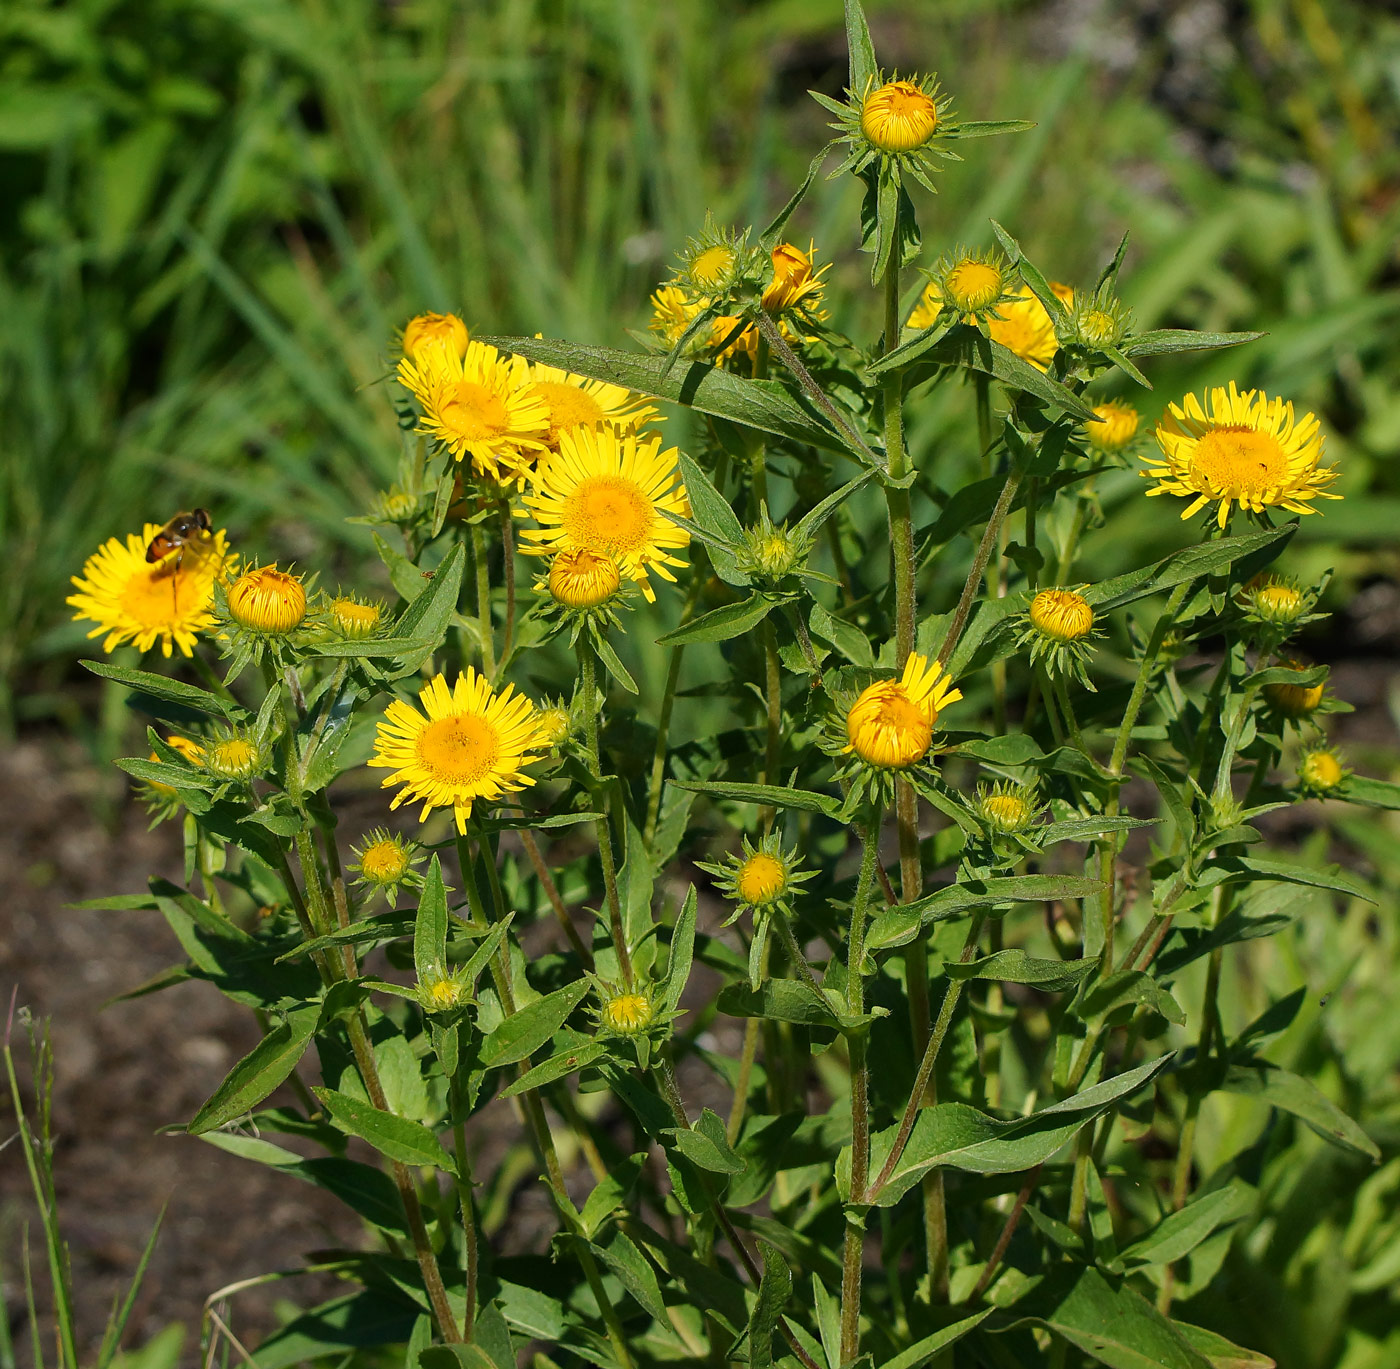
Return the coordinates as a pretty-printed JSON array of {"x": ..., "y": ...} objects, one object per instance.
[{"x": 216, "y": 213}]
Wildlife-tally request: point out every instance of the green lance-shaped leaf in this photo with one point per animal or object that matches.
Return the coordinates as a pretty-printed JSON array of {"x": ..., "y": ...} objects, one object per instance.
[
  {"x": 1031, "y": 274},
  {"x": 259, "y": 1072},
  {"x": 706, "y": 1145},
  {"x": 895, "y": 926},
  {"x": 682, "y": 954},
  {"x": 1163, "y": 341},
  {"x": 172, "y": 691},
  {"x": 1016, "y": 967},
  {"x": 863, "y": 67},
  {"x": 811, "y": 522},
  {"x": 1206, "y": 558},
  {"x": 1221, "y": 1353},
  {"x": 428, "y": 616},
  {"x": 430, "y": 926},
  {"x": 1253, "y": 869},
  {"x": 762, "y": 404},
  {"x": 1129, "y": 987},
  {"x": 774, "y": 1289},
  {"x": 1373, "y": 793},
  {"x": 955, "y": 1136},
  {"x": 387, "y": 647},
  {"x": 1179, "y": 1233},
  {"x": 772, "y": 795},
  {"x": 609, "y": 1196},
  {"x": 558, "y": 1066},
  {"x": 965, "y": 346},
  {"x": 397, "y": 1137},
  {"x": 922, "y": 1352},
  {"x": 713, "y": 517},
  {"x": 720, "y": 624},
  {"x": 1301, "y": 1097},
  {"x": 525, "y": 1032},
  {"x": 1106, "y": 1319},
  {"x": 405, "y": 577},
  {"x": 778, "y": 1000},
  {"x": 620, "y": 1253}
]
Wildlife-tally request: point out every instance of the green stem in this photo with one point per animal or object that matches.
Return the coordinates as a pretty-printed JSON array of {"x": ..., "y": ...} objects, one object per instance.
[
  {"x": 773, "y": 693},
  {"x": 930, "y": 1058},
  {"x": 464, "y": 1182},
  {"x": 483, "y": 602},
  {"x": 663, "y": 722},
  {"x": 508, "y": 546},
  {"x": 591, "y": 708},
  {"x": 860, "y": 1101},
  {"x": 556, "y": 901}
]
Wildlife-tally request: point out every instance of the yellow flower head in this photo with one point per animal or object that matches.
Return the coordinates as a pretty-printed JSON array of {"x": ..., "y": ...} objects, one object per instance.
[
  {"x": 628, "y": 1013},
  {"x": 891, "y": 724},
  {"x": 672, "y": 309},
  {"x": 266, "y": 599},
  {"x": 385, "y": 860},
  {"x": 134, "y": 600},
  {"x": 353, "y": 618},
  {"x": 580, "y": 578},
  {"x": 1240, "y": 448},
  {"x": 1295, "y": 700},
  {"x": 1320, "y": 770},
  {"x": 233, "y": 758},
  {"x": 1007, "y": 808},
  {"x": 472, "y": 744},
  {"x": 605, "y": 492},
  {"x": 556, "y": 724},
  {"x": 575, "y": 402},
  {"x": 711, "y": 268},
  {"x": 1115, "y": 424},
  {"x": 1062, "y": 615},
  {"x": 439, "y": 992},
  {"x": 481, "y": 405},
  {"x": 395, "y": 506},
  {"x": 427, "y": 334},
  {"x": 972, "y": 283},
  {"x": 794, "y": 281},
  {"x": 898, "y": 117},
  {"x": 760, "y": 879}
]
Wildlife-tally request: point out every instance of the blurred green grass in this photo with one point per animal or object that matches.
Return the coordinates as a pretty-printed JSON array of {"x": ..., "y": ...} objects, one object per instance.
[{"x": 218, "y": 211}]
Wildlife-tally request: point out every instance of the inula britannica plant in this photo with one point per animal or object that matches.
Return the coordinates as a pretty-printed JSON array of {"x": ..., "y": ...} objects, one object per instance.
[{"x": 789, "y": 850}]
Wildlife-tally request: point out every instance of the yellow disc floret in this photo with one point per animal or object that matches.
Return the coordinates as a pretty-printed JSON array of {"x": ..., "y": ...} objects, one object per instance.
[
  {"x": 971, "y": 284},
  {"x": 1320, "y": 770},
  {"x": 384, "y": 861},
  {"x": 628, "y": 1013},
  {"x": 1062, "y": 615},
  {"x": 267, "y": 600},
  {"x": 354, "y": 619},
  {"x": 760, "y": 879},
  {"x": 898, "y": 117},
  {"x": 473, "y": 744},
  {"x": 232, "y": 758},
  {"x": 891, "y": 724},
  {"x": 580, "y": 578},
  {"x": 1240, "y": 447}
]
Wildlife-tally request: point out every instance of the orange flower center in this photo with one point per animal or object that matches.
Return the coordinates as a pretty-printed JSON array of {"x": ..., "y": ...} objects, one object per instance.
[
  {"x": 459, "y": 750},
  {"x": 608, "y": 513},
  {"x": 1238, "y": 461},
  {"x": 569, "y": 407}
]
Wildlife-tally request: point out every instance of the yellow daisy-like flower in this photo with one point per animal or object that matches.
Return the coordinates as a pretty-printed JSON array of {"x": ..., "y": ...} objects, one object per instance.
[
  {"x": 672, "y": 309},
  {"x": 898, "y": 117},
  {"x": 604, "y": 492},
  {"x": 473, "y": 744},
  {"x": 794, "y": 281},
  {"x": 1062, "y": 615},
  {"x": 266, "y": 599},
  {"x": 891, "y": 724},
  {"x": 580, "y": 578},
  {"x": 426, "y": 334},
  {"x": 481, "y": 405},
  {"x": 1240, "y": 448},
  {"x": 133, "y": 600},
  {"x": 1114, "y": 425},
  {"x": 575, "y": 402}
]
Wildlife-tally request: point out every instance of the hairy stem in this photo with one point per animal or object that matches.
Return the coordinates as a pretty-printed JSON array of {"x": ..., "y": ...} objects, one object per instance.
[{"x": 483, "y": 602}]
